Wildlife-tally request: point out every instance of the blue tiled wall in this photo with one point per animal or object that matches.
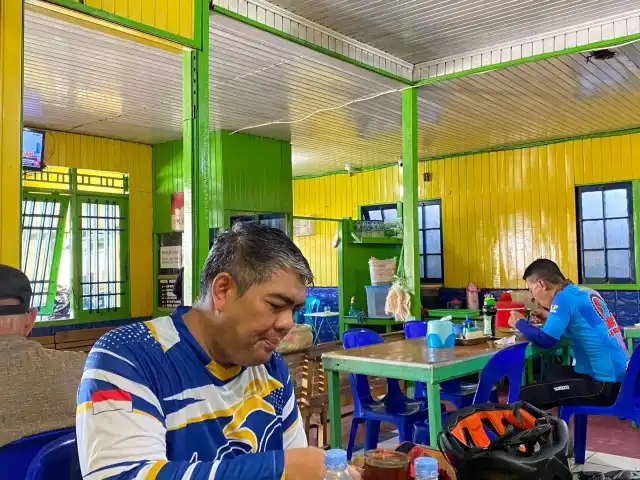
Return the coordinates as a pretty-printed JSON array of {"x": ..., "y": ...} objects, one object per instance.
[
  {"x": 328, "y": 297},
  {"x": 625, "y": 305},
  {"x": 48, "y": 331}
]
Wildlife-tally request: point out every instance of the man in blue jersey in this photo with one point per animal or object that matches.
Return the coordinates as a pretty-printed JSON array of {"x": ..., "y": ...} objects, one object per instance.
[
  {"x": 201, "y": 394},
  {"x": 581, "y": 315}
]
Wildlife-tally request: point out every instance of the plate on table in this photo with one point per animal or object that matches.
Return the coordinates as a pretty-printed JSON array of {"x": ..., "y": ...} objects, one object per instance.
[{"x": 474, "y": 341}]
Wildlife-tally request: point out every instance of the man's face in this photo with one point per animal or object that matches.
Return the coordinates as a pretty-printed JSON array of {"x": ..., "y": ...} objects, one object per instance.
[
  {"x": 540, "y": 292},
  {"x": 253, "y": 324}
]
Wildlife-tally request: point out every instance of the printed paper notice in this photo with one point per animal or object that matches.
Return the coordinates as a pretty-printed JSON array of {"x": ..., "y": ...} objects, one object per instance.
[{"x": 171, "y": 257}]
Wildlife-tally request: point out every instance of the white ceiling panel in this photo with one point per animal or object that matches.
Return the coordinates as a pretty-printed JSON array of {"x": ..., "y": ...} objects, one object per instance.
[
  {"x": 259, "y": 78},
  {"x": 561, "y": 97},
  {"x": 84, "y": 81},
  {"x": 87, "y": 82},
  {"x": 419, "y": 31}
]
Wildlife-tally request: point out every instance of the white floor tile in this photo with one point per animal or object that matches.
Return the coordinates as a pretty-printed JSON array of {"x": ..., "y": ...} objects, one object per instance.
[{"x": 614, "y": 462}]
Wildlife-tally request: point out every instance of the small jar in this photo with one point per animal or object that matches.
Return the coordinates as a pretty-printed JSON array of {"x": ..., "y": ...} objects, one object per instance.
[{"x": 385, "y": 465}]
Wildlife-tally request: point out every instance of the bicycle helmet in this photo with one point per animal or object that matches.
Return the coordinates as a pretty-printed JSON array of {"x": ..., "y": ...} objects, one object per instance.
[{"x": 517, "y": 441}]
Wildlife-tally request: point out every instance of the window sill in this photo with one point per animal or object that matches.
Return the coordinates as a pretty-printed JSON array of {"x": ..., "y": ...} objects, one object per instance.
[{"x": 612, "y": 286}]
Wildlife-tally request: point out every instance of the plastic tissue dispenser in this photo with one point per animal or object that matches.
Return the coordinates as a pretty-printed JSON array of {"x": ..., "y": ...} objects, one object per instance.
[{"x": 440, "y": 333}]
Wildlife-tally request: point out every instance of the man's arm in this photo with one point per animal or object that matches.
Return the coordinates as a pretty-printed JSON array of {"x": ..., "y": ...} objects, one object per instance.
[
  {"x": 121, "y": 432},
  {"x": 554, "y": 327}
]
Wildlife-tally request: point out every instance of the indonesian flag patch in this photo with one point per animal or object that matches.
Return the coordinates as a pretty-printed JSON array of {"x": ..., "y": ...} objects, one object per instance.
[{"x": 111, "y": 400}]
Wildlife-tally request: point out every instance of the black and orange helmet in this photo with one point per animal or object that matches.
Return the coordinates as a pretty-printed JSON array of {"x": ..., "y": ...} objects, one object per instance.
[{"x": 494, "y": 441}]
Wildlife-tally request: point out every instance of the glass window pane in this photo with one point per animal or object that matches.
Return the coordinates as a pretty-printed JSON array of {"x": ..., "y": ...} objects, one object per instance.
[
  {"x": 434, "y": 266},
  {"x": 615, "y": 203},
  {"x": 420, "y": 214},
  {"x": 375, "y": 214},
  {"x": 101, "y": 277},
  {"x": 390, "y": 214},
  {"x": 433, "y": 216},
  {"x": 422, "y": 266},
  {"x": 594, "y": 266},
  {"x": 618, "y": 263},
  {"x": 593, "y": 234},
  {"x": 433, "y": 241},
  {"x": 617, "y": 233},
  {"x": 421, "y": 243},
  {"x": 591, "y": 205},
  {"x": 274, "y": 221}
]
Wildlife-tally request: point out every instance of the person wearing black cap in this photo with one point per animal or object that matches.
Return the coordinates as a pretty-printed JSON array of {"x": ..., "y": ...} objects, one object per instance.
[{"x": 37, "y": 385}]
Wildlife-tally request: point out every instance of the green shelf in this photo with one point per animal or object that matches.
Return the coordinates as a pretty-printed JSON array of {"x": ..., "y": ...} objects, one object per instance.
[
  {"x": 370, "y": 321},
  {"x": 453, "y": 312},
  {"x": 377, "y": 241}
]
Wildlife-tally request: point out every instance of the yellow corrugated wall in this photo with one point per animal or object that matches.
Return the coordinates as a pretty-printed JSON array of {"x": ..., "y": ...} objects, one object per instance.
[
  {"x": 173, "y": 16},
  {"x": 500, "y": 210},
  {"x": 10, "y": 129},
  {"x": 83, "y": 151},
  {"x": 337, "y": 196}
]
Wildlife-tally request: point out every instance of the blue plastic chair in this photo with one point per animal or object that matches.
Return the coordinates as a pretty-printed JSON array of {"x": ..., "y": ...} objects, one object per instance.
[
  {"x": 394, "y": 407},
  {"x": 58, "y": 460},
  {"x": 311, "y": 305},
  {"x": 451, "y": 390},
  {"x": 626, "y": 406},
  {"x": 16, "y": 456},
  {"x": 508, "y": 363}
]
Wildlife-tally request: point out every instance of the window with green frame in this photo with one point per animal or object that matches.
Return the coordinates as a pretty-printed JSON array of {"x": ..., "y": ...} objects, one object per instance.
[
  {"x": 387, "y": 212},
  {"x": 274, "y": 220},
  {"x": 606, "y": 243},
  {"x": 43, "y": 226},
  {"x": 75, "y": 244},
  {"x": 100, "y": 257}
]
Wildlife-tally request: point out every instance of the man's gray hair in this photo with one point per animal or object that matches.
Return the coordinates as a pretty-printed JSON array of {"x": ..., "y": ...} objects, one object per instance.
[{"x": 251, "y": 253}]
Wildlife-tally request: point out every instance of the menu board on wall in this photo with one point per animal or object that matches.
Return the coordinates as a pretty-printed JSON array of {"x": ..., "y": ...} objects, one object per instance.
[
  {"x": 169, "y": 258},
  {"x": 166, "y": 298}
]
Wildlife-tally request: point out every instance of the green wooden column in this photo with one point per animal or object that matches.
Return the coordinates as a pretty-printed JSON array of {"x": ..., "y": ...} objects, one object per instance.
[
  {"x": 410, "y": 195},
  {"x": 195, "y": 101}
]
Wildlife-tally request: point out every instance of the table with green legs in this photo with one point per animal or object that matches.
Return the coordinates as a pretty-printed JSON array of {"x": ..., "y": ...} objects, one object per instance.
[
  {"x": 631, "y": 333},
  {"x": 409, "y": 360}
]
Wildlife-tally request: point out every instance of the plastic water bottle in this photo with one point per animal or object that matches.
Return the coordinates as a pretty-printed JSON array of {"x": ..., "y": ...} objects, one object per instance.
[
  {"x": 336, "y": 462},
  {"x": 426, "y": 468}
]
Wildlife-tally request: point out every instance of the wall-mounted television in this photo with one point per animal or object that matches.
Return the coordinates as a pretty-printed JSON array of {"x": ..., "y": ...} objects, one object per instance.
[{"x": 32, "y": 149}]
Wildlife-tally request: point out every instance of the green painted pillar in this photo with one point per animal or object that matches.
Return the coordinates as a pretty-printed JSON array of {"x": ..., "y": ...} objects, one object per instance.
[
  {"x": 410, "y": 195},
  {"x": 195, "y": 169}
]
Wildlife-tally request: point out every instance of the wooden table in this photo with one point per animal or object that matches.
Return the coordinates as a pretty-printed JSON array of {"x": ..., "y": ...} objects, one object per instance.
[{"x": 409, "y": 360}]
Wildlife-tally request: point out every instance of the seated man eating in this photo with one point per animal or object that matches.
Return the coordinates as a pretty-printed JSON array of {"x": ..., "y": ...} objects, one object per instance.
[
  {"x": 201, "y": 394},
  {"x": 580, "y": 314}
]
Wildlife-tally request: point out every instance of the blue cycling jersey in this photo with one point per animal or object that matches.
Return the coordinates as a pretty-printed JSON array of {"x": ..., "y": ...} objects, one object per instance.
[{"x": 580, "y": 314}]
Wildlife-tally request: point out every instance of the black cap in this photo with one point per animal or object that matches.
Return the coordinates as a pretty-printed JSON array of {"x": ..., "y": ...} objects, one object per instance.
[{"x": 14, "y": 284}]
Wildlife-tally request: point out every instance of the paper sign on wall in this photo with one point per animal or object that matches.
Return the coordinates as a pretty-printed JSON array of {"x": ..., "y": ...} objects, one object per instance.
[{"x": 171, "y": 257}]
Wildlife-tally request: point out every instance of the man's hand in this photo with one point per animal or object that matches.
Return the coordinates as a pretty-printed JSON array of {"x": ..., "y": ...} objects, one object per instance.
[
  {"x": 514, "y": 318},
  {"x": 304, "y": 463},
  {"x": 540, "y": 314},
  {"x": 355, "y": 473},
  {"x": 308, "y": 464}
]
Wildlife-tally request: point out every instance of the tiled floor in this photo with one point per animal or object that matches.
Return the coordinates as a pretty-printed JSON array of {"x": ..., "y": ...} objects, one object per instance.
[
  {"x": 612, "y": 436},
  {"x": 604, "y": 462}
]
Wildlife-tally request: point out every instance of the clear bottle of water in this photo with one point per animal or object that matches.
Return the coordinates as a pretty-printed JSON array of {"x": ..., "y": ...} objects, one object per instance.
[
  {"x": 336, "y": 462},
  {"x": 426, "y": 468}
]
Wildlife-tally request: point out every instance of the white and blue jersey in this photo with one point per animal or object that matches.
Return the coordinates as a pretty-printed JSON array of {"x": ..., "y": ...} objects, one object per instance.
[
  {"x": 153, "y": 405},
  {"x": 580, "y": 314}
]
